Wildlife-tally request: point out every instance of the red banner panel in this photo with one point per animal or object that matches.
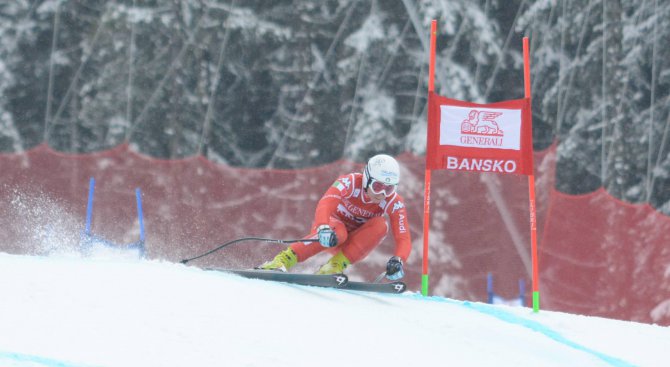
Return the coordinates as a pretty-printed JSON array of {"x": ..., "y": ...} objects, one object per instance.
[{"x": 466, "y": 136}]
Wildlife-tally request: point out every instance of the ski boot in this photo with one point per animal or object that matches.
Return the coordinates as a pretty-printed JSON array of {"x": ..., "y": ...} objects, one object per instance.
[
  {"x": 282, "y": 262},
  {"x": 335, "y": 265}
]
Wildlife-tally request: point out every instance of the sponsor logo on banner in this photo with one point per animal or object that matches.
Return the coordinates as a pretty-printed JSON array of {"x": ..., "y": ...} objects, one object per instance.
[
  {"x": 480, "y": 127},
  {"x": 481, "y": 123}
]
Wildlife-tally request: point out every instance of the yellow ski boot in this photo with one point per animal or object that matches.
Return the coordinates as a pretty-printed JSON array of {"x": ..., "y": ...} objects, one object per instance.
[
  {"x": 335, "y": 265},
  {"x": 282, "y": 262}
]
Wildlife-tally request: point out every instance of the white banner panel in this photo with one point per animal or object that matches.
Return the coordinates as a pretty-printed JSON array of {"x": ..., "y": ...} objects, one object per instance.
[{"x": 480, "y": 127}]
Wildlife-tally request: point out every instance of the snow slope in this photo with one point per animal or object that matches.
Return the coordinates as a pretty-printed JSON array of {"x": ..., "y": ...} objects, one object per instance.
[{"x": 110, "y": 311}]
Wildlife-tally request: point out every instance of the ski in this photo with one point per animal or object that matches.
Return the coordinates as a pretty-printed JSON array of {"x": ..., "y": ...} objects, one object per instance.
[
  {"x": 331, "y": 281},
  {"x": 395, "y": 287}
]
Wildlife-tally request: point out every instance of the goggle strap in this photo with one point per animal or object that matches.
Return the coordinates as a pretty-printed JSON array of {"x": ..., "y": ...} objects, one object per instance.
[{"x": 367, "y": 173}]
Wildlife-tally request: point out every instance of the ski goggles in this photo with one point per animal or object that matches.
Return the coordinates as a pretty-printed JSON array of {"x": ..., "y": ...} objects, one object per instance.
[{"x": 379, "y": 187}]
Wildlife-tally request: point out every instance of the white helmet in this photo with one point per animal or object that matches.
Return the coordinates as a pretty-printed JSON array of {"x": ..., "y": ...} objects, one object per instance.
[{"x": 382, "y": 168}]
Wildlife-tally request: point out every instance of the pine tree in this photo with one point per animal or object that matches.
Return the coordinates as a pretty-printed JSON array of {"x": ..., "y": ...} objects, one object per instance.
[{"x": 592, "y": 63}]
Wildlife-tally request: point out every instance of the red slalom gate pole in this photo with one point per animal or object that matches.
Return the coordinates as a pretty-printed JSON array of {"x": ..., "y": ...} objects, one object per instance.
[
  {"x": 531, "y": 186},
  {"x": 426, "y": 194}
]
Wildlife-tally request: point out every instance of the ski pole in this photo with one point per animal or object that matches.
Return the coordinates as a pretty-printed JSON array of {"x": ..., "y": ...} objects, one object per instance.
[
  {"x": 380, "y": 277},
  {"x": 271, "y": 240}
]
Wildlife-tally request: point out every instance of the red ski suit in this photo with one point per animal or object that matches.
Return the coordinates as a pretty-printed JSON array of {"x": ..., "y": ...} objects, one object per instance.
[{"x": 358, "y": 223}]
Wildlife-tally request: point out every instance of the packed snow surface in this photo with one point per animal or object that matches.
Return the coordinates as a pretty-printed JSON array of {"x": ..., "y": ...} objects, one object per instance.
[{"x": 109, "y": 311}]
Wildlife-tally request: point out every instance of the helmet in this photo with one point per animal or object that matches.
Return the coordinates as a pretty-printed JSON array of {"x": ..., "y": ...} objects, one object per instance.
[{"x": 382, "y": 168}]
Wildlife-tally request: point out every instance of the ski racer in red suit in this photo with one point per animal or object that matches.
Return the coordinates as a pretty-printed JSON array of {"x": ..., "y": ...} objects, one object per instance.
[{"x": 350, "y": 217}]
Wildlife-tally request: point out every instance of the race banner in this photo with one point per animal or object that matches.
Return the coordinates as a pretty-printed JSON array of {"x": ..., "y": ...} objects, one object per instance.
[{"x": 466, "y": 136}]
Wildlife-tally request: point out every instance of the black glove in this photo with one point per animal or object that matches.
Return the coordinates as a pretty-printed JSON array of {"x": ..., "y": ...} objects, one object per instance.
[
  {"x": 394, "y": 268},
  {"x": 327, "y": 237}
]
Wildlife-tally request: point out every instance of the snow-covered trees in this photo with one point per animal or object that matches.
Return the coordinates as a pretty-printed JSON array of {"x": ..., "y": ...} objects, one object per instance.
[
  {"x": 255, "y": 83},
  {"x": 600, "y": 72}
]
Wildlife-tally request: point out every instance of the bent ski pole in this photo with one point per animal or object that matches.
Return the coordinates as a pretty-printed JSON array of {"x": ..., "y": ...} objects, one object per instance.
[
  {"x": 271, "y": 240},
  {"x": 380, "y": 277}
]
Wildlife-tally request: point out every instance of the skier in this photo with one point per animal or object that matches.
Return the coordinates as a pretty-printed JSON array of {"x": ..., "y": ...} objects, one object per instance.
[{"x": 350, "y": 218}]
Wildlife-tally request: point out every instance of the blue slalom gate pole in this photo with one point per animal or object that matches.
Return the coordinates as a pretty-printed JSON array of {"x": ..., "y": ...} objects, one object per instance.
[
  {"x": 88, "y": 239},
  {"x": 492, "y": 296},
  {"x": 89, "y": 206},
  {"x": 138, "y": 195},
  {"x": 489, "y": 287},
  {"x": 140, "y": 218}
]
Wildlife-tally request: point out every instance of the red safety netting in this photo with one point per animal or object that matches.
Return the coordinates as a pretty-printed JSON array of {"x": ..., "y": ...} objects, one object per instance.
[
  {"x": 606, "y": 257},
  {"x": 591, "y": 261}
]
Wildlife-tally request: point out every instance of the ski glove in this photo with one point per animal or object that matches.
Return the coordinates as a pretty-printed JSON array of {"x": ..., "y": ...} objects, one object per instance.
[
  {"x": 394, "y": 268},
  {"x": 327, "y": 237}
]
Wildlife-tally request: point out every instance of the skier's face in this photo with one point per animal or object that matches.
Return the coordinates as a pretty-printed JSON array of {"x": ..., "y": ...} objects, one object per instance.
[{"x": 376, "y": 198}]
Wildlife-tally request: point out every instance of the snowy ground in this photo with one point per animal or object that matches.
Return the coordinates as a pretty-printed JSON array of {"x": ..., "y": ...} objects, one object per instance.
[{"x": 69, "y": 311}]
